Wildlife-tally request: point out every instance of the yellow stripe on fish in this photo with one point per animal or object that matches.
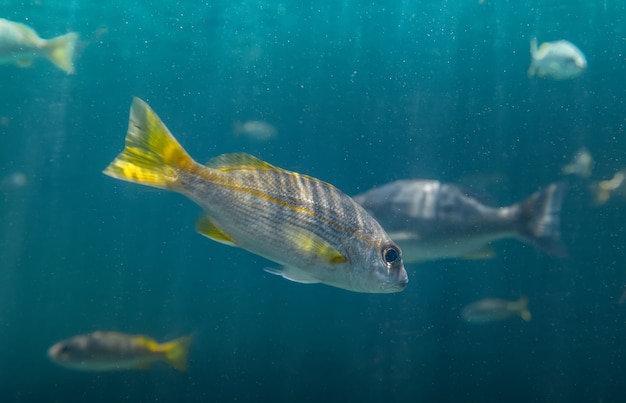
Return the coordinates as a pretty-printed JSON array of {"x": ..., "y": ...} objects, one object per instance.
[{"x": 315, "y": 231}]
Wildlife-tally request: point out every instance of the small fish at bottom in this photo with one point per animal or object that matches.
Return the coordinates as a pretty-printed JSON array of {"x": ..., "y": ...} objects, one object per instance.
[
  {"x": 493, "y": 309},
  {"x": 113, "y": 351}
]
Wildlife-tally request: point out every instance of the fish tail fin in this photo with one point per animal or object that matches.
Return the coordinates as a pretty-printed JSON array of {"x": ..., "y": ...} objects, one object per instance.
[
  {"x": 176, "y": 352},
  {"x": 540, "y": 219},
  {"x": 61, "y": 51},
  {"x": 522, "y": 305},
  {"x": 533, "y": 45},
  {"x": 152, "y": 156}
]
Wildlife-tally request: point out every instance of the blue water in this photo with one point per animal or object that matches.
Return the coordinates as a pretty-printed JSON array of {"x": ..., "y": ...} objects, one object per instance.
[{"x": 361, "y": 94}]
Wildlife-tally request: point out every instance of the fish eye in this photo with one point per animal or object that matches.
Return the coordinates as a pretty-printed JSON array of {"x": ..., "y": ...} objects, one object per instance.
[
  {"x": 391, "y": 254},
  {"x": 65, "y": 349}
]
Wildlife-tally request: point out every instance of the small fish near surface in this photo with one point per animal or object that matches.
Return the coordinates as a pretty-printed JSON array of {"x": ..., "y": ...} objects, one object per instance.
[
  {"x": 256, "y": 129},
  {"x": 493, "y": 309},
  {"x": 113, "y": 351},
  {"x": 20, "y": 44},
  {"x": 316, "y": 232},
  {"x": 559, "y": 60},
  {"x": 432, "y": 220}
]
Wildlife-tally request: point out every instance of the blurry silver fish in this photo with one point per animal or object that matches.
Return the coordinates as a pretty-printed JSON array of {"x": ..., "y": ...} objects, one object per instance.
[
  {"x": 256, "y": 129},
  {"x": 560, "y": 60},
  {"x": 490, "y": 310},
  {"x": 112, "y": 351},
  {"x": 315, "y": 231},
  {"x": 581, "y": 165},
  {"x": 20, "y": 44},
  {"x": 434, "y": 220}
]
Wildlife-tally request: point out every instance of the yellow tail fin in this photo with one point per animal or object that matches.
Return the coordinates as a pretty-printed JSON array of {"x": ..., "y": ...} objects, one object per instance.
[
  {"x": 176, "y": 352},
  {"x": 152, "y": 155},
  {"x": 61, "y": 51}
]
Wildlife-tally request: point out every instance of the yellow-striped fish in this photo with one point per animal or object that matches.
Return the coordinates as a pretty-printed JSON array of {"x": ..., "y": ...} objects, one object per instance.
[
  {"x": 316, "y": 232},
  {"x": 112, "y": 351}
]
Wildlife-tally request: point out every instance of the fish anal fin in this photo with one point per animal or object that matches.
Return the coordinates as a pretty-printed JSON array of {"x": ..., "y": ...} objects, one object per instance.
[
  {"x": 486, "y": 252},
  {"x": 293, "y": 274},
  {"x": 206, "y": 227}
]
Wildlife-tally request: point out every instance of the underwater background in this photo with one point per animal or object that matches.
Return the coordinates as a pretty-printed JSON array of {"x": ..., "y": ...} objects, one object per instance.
[{"x": 361, "y": 94}]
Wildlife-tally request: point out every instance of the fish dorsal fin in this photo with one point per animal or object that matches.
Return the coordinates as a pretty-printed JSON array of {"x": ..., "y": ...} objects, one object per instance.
[
  {"x": 206, "y": 227},
  {"x": 293, "y": 274},
  {"x": 228, "y": 162}
]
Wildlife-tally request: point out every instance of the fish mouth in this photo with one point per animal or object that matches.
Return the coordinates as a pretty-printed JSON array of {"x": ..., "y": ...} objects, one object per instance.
[
  {"x": 397, "y": 286},
  {"x": 53, "y": 352}
]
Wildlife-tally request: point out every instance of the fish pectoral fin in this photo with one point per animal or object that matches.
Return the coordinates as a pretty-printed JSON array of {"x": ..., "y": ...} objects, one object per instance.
[
  {"x": 486, "y": 252},
  {"x": 235, "y": 161},
  {"x": 312, "y": 244},
  {"x": 206, "y": 227},
  {"x": 293, "y": 274},
  {"x": 24, "y": 62}
]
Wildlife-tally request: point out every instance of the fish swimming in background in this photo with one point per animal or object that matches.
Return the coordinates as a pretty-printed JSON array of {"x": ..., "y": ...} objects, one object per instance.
[
  {"x": 560, "y": 60},
  {"x": 316, "y": 232},
  {"x": 603, "y": 190},
  {"x": 492, "y": 309},
  {"x": 256, "y": 129},
  {"x": 581, "y": 165},
  {"x": 433, "y": 220},
  {"x": 20, "y": 44},
  {"x": 112, "y": 351}
]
